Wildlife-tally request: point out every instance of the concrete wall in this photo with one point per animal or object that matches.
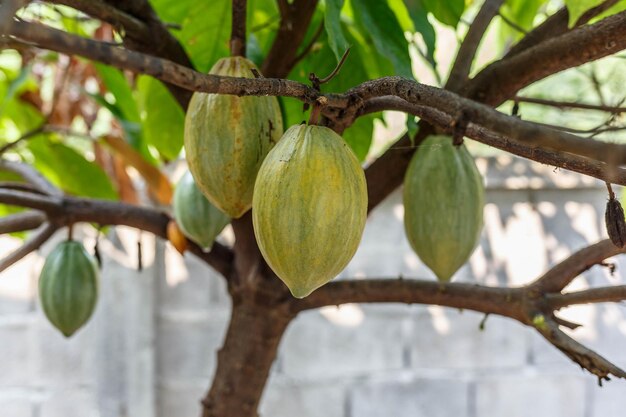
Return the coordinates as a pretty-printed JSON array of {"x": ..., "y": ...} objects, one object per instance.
[{"x": 150, "y": 349}]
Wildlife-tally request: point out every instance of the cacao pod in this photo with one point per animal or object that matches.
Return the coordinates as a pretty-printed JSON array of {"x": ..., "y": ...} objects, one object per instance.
[
  {"x": 198, "y": 219},
  {"x": 309, "y": 207},
  {"x": 68, "y": 286},
  {"x": 227, "y": 138},
  {"x": 615, "y": 222},
  {"x": 443, "y": 205}
]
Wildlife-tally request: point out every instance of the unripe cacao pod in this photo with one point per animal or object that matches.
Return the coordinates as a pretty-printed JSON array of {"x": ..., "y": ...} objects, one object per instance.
[
  {"x": 198, "y": 219},
  {"x": 443, "y": 205},
  {"x": 309, "y": 207},
  {"x": 68, "y": 286},
  {"x": 227, "y": 138}
]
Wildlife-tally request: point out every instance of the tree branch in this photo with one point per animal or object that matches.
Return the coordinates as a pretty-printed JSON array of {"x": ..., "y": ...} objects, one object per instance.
[
  {"x": 570, "y": 104},
  {"x": 580, "y": 164},
  {"x": 502, "y": 301},
  {"x": 591, "y": 296},
  {"x": 32, "y": 244},
  {"x": 557, "y": 278},
  {"x": 502, "y": 79},
  {"x": 467, "y": 51},
  {"x": 295, "y": 20},
  {"x": 238, "y": 31},
  {"x": 68, "y": 210},
  {"x": 18, "y": 222},
  {"x": 29, "y": 174}
]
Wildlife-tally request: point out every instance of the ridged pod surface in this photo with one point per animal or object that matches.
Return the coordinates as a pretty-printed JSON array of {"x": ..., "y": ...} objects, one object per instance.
[
  {"x": 227, "y": 138},
  {"x": 198, "y": 219},
  {"x": 309, "y": 207},
  {"x": 443, "y": 205},
  {"x": 68, "y": 286}
]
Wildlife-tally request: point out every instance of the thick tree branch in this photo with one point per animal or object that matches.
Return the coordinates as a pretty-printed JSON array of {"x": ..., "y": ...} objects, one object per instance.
[
  {"x": 502, "y": 79},
  {"x": 557, "y": 278},
  {"x": 295, "y": 20},
  {"x": 467, "y": 51},
  {"x": 64, "y": 211},
  {"x": 554, "y": 26},
  {"x": 32, "y": 244},
  {"x": 18, "y": 222},
  {"x": 408, "y": 90},
  {"x": 503, "y": 301},
  {"x": 582, "y": 165}
]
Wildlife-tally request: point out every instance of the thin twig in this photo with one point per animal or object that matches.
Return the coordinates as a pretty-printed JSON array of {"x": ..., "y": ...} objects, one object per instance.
[
  {"x": 30, "y": 175},
  {"x": 569, "y": 104},
  {"x": 238, "y": 32}
]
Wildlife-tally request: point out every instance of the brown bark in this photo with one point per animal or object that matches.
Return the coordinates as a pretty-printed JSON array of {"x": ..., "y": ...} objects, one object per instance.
[{"x": 245, "y": 359}]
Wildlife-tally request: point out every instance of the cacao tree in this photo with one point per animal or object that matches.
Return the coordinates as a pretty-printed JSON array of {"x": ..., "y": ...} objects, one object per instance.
[{"x": 93, "y": 88}]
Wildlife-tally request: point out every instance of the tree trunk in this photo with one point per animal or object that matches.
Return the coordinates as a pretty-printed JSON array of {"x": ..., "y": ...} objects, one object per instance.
[{"x": 245, "y": 360}]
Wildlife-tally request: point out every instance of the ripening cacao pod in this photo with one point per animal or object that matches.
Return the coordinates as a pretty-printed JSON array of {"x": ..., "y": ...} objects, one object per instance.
[
  {"x": 227, "y": 138},
  {"x": 443, "y": 205},
  {"x": 198, "y": 219},
  {"x": 615, "y": 222},
  {"x": 309, "y": 207},
  {"x": 68, "y": 286}
]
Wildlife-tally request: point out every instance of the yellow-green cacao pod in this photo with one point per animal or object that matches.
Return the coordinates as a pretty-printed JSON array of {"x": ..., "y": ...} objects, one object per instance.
[
  {"x": 199, "y": 220},
  {"x": 443, "y": 205},
  {"x": 227, "y": 137},
  {"x": 68, "y": 286},
  {"x": 309, "y": 207}
]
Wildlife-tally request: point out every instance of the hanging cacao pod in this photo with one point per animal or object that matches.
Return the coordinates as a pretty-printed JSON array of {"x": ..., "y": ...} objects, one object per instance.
[
  {"x": 198, "y": 219},
  {"x": 227, "y": 138},
  {"x": 615, "y": 223},
  {"x": 68, "y": 286},
  {"x": 309, "y": 207},
  {"x": 443, "y": 205}
]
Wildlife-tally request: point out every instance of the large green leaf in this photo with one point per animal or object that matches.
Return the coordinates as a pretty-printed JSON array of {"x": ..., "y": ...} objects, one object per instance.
[
  {"x": 448, "y": 12},
  {"x": 520, "y": 12},
  {"x": 382, "y": 24},
  {"x": 332, "y": 23},
  {"x": 162, "y": 118},
  {"x": 419, "y": 15},
  {"x": 69, "y": 170},
  {"x": 205, "y": 27}
]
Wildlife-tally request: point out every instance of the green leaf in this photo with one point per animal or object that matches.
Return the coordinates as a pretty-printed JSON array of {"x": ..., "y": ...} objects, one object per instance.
[
  {"x": 379, "y": 20},
  {"x": 162, "y": 118},
  {"x": 205, "y": 27},
  {"x": 117, "y": 84},
  {"x": 618, "y": 7},
  {"x": 577, "y": 8},
  {"x": 359, "y": 136},
  {"x": 419, "y": 15},
  {"x": 70, "y": 171},
  {"x": 332, "y": 23},
  {"x": 520, "y": 12},
  {"x": 448, "y": 12}
]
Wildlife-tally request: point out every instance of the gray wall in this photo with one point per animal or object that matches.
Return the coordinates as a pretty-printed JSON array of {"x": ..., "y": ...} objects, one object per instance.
[{"x": 150, "y": 349}]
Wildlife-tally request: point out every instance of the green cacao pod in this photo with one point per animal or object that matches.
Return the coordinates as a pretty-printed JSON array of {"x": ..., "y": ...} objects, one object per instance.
[
  {"x": 309, "y": 207},
  {"x": 199, "y": 220},
  {"x": 443, "y": 205},
  {"x": 227, "y": 137},
  {"x": 68, "y": 286}
]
